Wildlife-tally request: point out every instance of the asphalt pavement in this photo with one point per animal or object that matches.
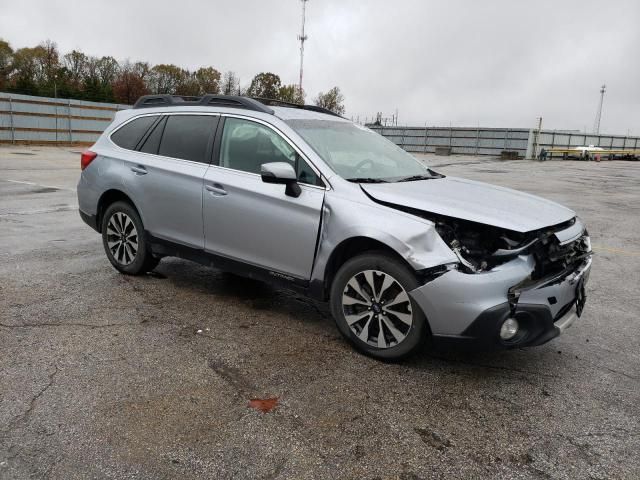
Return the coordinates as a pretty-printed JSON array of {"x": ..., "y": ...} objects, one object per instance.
[{"x": 108, "y": 376}]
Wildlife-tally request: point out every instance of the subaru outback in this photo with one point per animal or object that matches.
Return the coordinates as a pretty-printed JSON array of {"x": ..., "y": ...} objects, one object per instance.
[{"x": 300, "y": 196}]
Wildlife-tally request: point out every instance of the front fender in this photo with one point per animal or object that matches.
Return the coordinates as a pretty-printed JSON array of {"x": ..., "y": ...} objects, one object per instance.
[{"x": 413, "y": 238}]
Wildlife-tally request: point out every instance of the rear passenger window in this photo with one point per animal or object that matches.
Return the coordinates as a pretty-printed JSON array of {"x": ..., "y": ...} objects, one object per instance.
[
  {"x": 187, "y": 136},
  {"x": 130, "y": 134}
]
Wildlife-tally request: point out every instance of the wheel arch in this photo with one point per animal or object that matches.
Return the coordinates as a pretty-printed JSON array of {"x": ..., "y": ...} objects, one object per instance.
[
  {"x": 107, "y": 198},
  {"x": 352, "y": 247}
]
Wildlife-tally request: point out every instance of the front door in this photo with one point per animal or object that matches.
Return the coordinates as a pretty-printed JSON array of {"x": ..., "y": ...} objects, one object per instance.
[{"x": 255, "y": 222}]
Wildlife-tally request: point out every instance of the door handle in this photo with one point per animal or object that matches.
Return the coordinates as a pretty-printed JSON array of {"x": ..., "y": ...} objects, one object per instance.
[
  {"x": 139, "y": 170},
  {"x": 216, "y": 189}
]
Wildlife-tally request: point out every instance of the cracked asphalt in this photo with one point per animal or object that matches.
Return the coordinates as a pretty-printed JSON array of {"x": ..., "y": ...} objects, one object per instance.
[{"x": 106, "y": 376}]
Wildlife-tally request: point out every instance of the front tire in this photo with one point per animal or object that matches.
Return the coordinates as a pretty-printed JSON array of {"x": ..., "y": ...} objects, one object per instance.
[
  {"x": 373, "y": 310},
  {"x": 124, "y": 240}
]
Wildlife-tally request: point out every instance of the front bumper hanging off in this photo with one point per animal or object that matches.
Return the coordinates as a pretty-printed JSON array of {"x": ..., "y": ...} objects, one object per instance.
[{"x": 470, "y": 309}]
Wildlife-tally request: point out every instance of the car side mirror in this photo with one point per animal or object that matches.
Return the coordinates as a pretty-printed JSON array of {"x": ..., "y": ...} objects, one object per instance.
[{"x": 281, "y": 173}]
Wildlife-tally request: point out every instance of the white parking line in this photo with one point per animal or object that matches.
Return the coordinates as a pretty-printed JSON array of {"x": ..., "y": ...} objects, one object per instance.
[{"x": 39, "y": 185}]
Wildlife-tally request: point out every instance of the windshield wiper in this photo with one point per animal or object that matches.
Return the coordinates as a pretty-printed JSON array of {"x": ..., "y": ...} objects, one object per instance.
[
  {"x": 422, "y": 176},
  {"x": 367, "y": 180},
  {"x": 414, "y": 178}
]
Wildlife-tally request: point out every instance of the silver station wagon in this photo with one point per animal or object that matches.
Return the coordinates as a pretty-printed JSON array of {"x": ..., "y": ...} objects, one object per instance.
[{"x": 297, "y": 195}]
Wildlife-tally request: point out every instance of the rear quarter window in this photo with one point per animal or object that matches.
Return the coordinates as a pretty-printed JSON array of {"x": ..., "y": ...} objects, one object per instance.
[{"x": 130, "y": 134}]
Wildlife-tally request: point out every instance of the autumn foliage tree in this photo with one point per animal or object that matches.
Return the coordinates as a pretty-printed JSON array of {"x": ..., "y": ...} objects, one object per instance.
[
  {"x": 291, "y": 94},
  {"x": 75, "y": 65},
  {"x": 208, "y": 80},
  {"x": 265, "y": 85},
  {"x": 6, "y": 61},
  {"x": 332, "y": 100},
  {"x": 41, "y": 70},
  {"x": 129, "y": 84}
]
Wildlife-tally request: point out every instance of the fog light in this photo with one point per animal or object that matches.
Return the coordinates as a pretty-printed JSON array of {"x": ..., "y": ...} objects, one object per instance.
[{"x": 509, "y": 329}]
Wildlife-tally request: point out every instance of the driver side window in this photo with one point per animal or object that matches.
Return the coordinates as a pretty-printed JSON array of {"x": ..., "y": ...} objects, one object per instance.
[{"x": 246, "y": 145}]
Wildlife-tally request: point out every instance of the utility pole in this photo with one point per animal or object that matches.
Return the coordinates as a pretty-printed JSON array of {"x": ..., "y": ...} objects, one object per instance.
[
  {"x": 536, "y": 140},
  {"x": 303, "y": 38},
  {"x": 55, "y": 96},
  {"x": 596, "y": 124}
]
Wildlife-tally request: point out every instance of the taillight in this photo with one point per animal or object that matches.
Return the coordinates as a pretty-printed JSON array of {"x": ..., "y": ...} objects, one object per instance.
[{"x": 86, "y": 158}]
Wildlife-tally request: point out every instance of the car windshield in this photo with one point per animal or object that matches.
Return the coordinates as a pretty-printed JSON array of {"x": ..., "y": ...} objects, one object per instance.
[{"x": 359, "y": 154}]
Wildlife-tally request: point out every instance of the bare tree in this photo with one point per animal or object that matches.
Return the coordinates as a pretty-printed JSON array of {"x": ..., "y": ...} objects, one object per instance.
[{"x": 230, "y": 83}]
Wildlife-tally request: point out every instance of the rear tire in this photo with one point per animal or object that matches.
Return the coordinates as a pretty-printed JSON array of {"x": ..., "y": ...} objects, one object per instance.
[
  {"x": 124, "y": 240},
  {"x": 372, "y": 309}
]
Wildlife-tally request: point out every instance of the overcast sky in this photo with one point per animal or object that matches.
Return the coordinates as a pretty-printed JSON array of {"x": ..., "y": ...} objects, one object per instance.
[{"x": 493, "y": 63}]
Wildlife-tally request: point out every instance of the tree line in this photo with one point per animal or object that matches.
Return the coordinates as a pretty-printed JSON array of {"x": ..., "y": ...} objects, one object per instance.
[{"x": 42, "y": 71}]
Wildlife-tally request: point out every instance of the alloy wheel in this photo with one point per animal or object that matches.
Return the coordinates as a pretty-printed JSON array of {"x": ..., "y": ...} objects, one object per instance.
[
  {"x": 377, "y": 308},
  {"x": 122, "y": 238}
]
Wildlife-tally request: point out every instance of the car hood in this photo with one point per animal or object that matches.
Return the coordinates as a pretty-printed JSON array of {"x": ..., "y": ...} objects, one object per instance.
[{"x": 474, "y": 201}]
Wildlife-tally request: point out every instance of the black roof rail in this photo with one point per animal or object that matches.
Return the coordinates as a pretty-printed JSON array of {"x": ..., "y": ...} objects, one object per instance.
[
  {"x": 231, "y": 101},
  {"x": 313, "y": 108},
  {"x": 257, "y": 104}
]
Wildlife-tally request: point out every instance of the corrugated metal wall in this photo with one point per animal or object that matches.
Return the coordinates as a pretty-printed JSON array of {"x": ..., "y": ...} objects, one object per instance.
[
  {"x": 469, "y": 141},
  {"x": 43, "y": 120},
  {"x": 557, "y": 139},
  {"x": 493, "y": 141}
]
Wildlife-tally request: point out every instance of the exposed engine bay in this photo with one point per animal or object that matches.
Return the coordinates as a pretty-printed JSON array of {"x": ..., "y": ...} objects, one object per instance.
[{"x": 481, "y": 247}]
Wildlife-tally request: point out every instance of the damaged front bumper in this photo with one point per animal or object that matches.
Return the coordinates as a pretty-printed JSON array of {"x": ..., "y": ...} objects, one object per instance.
[{"x": 470, "y": 309}]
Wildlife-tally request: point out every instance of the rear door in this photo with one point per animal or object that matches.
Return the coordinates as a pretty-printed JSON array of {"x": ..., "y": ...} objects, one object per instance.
[
  {"x": 255, "y": 222},
  {"x": 167, "y": 171}
]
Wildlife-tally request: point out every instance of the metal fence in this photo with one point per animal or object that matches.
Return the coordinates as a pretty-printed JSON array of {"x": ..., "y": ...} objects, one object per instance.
[
  {"x": 45, "y": 120},
  {"x": 561, "y": 139},
  {"x": 469, "y": 141},
  {"x": 493, "y": 141}
]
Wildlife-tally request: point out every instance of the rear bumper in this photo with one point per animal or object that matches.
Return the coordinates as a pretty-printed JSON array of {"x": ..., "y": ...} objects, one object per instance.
[
  {"x": 459, "y": 312},
  {"x": 91, "y": 220}
]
